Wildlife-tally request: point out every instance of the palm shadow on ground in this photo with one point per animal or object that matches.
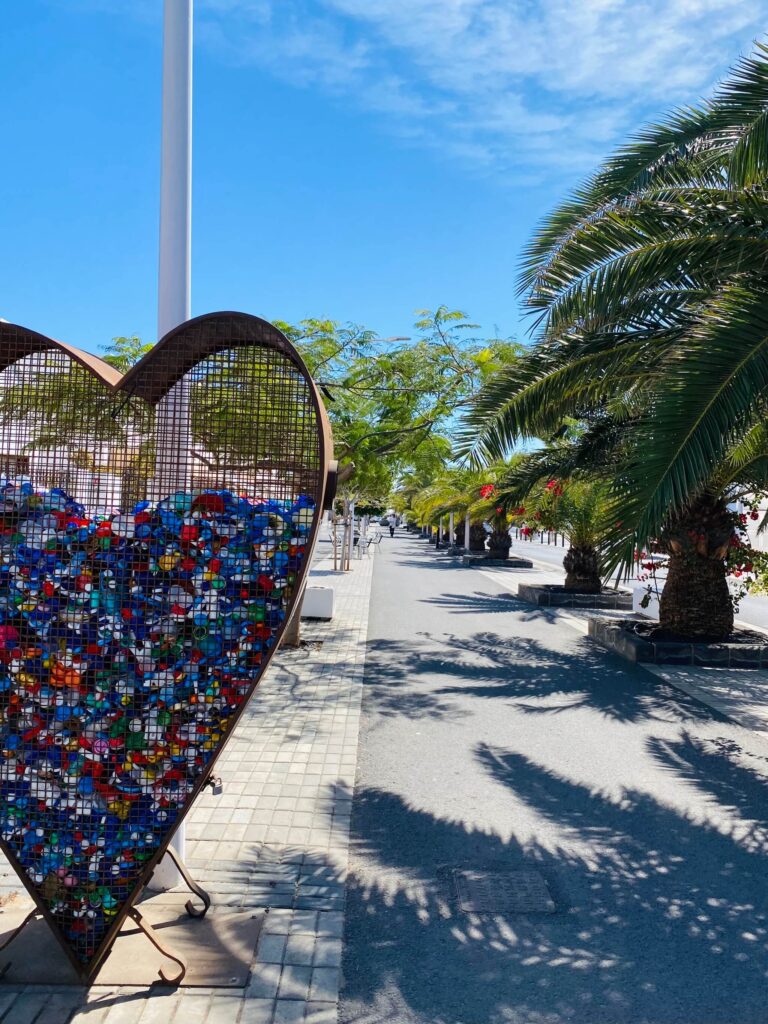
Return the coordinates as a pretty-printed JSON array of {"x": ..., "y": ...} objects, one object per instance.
[
  {"x": 660, "y": 910},
  {"x": 431, "y": 674},
  {"x": 486, "y": 604}
]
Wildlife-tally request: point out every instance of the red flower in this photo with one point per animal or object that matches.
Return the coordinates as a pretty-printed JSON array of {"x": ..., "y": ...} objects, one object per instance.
[
  {"x": 499, "y": 510},
  {"x": 487, "y": 490}
]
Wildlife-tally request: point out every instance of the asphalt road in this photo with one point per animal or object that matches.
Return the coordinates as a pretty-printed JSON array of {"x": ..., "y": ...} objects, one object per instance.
[{"x": 495, "y": 740}]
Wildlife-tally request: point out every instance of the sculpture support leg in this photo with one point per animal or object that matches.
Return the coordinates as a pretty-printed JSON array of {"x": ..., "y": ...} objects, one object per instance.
[
  {"x": 151, "y": 934},
  {"x": 192, "y": 885}
]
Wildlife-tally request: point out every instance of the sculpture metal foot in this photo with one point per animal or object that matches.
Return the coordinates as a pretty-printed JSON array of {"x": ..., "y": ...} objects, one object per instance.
[
  {"x": 192, "y": 885},
  {"x": 151, "y": 934}
]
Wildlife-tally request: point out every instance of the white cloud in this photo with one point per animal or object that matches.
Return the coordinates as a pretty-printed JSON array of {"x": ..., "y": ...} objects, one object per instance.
[
  {"x": 305, "y": 48},
  {"x": 512, "y": 85}
]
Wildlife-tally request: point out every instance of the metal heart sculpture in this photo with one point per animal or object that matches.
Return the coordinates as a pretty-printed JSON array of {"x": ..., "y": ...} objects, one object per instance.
[{"x": 155, "y": 530}]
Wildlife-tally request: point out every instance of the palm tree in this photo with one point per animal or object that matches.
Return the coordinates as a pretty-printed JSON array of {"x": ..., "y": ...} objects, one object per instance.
[
  {"x": 453, "y": 492},
  {"x": 650, "y": 291},
  {"x": 574, "y": 507},
  {"x": 464, "y": 491},
  {"x": 579, "y": 512}
]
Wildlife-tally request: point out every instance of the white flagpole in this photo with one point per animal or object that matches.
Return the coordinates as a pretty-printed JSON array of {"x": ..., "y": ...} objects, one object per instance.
[
  {"x": 173, "y": 297},
  {"x": 174, "y": 277}
]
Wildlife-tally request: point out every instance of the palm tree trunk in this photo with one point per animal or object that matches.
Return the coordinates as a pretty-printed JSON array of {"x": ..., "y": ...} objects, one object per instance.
[
  {"x": 477, "y": 538},
  {"x": 582, "y": 569},
  {"x": 695, "y": 602},
  {"x": 499, "y": 544}
]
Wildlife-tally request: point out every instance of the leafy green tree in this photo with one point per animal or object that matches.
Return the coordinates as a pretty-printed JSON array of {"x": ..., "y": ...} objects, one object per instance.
[
  {"x": 124, "y": 352},
  {"x": 393, "y": 401},
  {"x": 62, "y": 406}
]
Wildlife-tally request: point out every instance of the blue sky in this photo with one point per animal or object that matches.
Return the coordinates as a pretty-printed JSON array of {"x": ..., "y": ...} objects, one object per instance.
[{"x": 356, "y": 159}]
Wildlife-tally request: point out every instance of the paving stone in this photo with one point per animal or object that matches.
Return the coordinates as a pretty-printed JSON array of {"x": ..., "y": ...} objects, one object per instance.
[
  {"x": 59, "y": 1008},
  {"x": 26, "y": 1007},
  {"x": 270, "y": 899},
  {"x": 314, "y": 903},
  {"x": 193, "y": 1008},
  {"x": 265, "y": 979},
  {"x": 321, "y": 1013},
  {"x": 289, "y": 1011},
  {"x": 126, "y": 1009},
  {"x": 327, "y": 953},
  {"x": 300, "y": 949},
  {"x": 271, "y": 949},
  {"x": 86, "y": 1015},
  {"x": 330, "y": 925},
  {"x": 278, "y": 922},
  {"x": 7, "y": 998},
  {"x": 325, "y": 984},
  {"x": 294, "y": 982},
  {"x": 162, "y": 1008},
  {"x": 257, "y": 1011},
  {"x": 304, "y": 921},
  {"x": 224, "y": 1009}
]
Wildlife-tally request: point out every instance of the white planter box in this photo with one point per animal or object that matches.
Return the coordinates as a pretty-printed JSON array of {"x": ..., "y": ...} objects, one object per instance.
[{"x": 318, "y": 603}]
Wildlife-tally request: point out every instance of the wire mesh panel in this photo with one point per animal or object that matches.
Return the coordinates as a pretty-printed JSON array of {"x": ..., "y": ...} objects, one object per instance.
[{"x": 154, "y": 534}]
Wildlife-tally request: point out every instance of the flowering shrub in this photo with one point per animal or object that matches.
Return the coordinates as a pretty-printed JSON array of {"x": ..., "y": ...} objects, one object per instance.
[{"x": 487, "y": 490}]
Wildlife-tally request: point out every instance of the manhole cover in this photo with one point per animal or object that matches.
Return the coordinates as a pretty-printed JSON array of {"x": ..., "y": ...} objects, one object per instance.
[{"x": 508, "y": 892}]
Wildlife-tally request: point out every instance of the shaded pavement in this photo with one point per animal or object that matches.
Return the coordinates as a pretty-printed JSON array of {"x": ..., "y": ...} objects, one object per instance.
[{"x": 494, "y": 739}]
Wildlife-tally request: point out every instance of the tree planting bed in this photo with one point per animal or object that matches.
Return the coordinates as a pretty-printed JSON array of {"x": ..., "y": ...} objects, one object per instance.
[
  {"x": 509, "y": 563},
  {"x": 552, "y": 595},
  {"x": 642, "y": 641}
]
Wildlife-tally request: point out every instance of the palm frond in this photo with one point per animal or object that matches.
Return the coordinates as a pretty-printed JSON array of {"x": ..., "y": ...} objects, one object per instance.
[
  {"x": 702, "y": 405},
  {"x": 701, "y": 145}
]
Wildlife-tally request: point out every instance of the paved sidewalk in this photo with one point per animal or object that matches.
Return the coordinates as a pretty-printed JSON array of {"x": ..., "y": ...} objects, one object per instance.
[{"x": 277, "y": 837}]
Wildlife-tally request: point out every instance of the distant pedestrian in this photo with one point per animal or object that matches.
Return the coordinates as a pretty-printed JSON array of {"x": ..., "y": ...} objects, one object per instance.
[{"x": 392, "y": 526}]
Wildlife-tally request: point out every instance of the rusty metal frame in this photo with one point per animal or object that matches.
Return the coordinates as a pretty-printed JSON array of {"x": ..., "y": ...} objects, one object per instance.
[{"x": 188, "y": 344}]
